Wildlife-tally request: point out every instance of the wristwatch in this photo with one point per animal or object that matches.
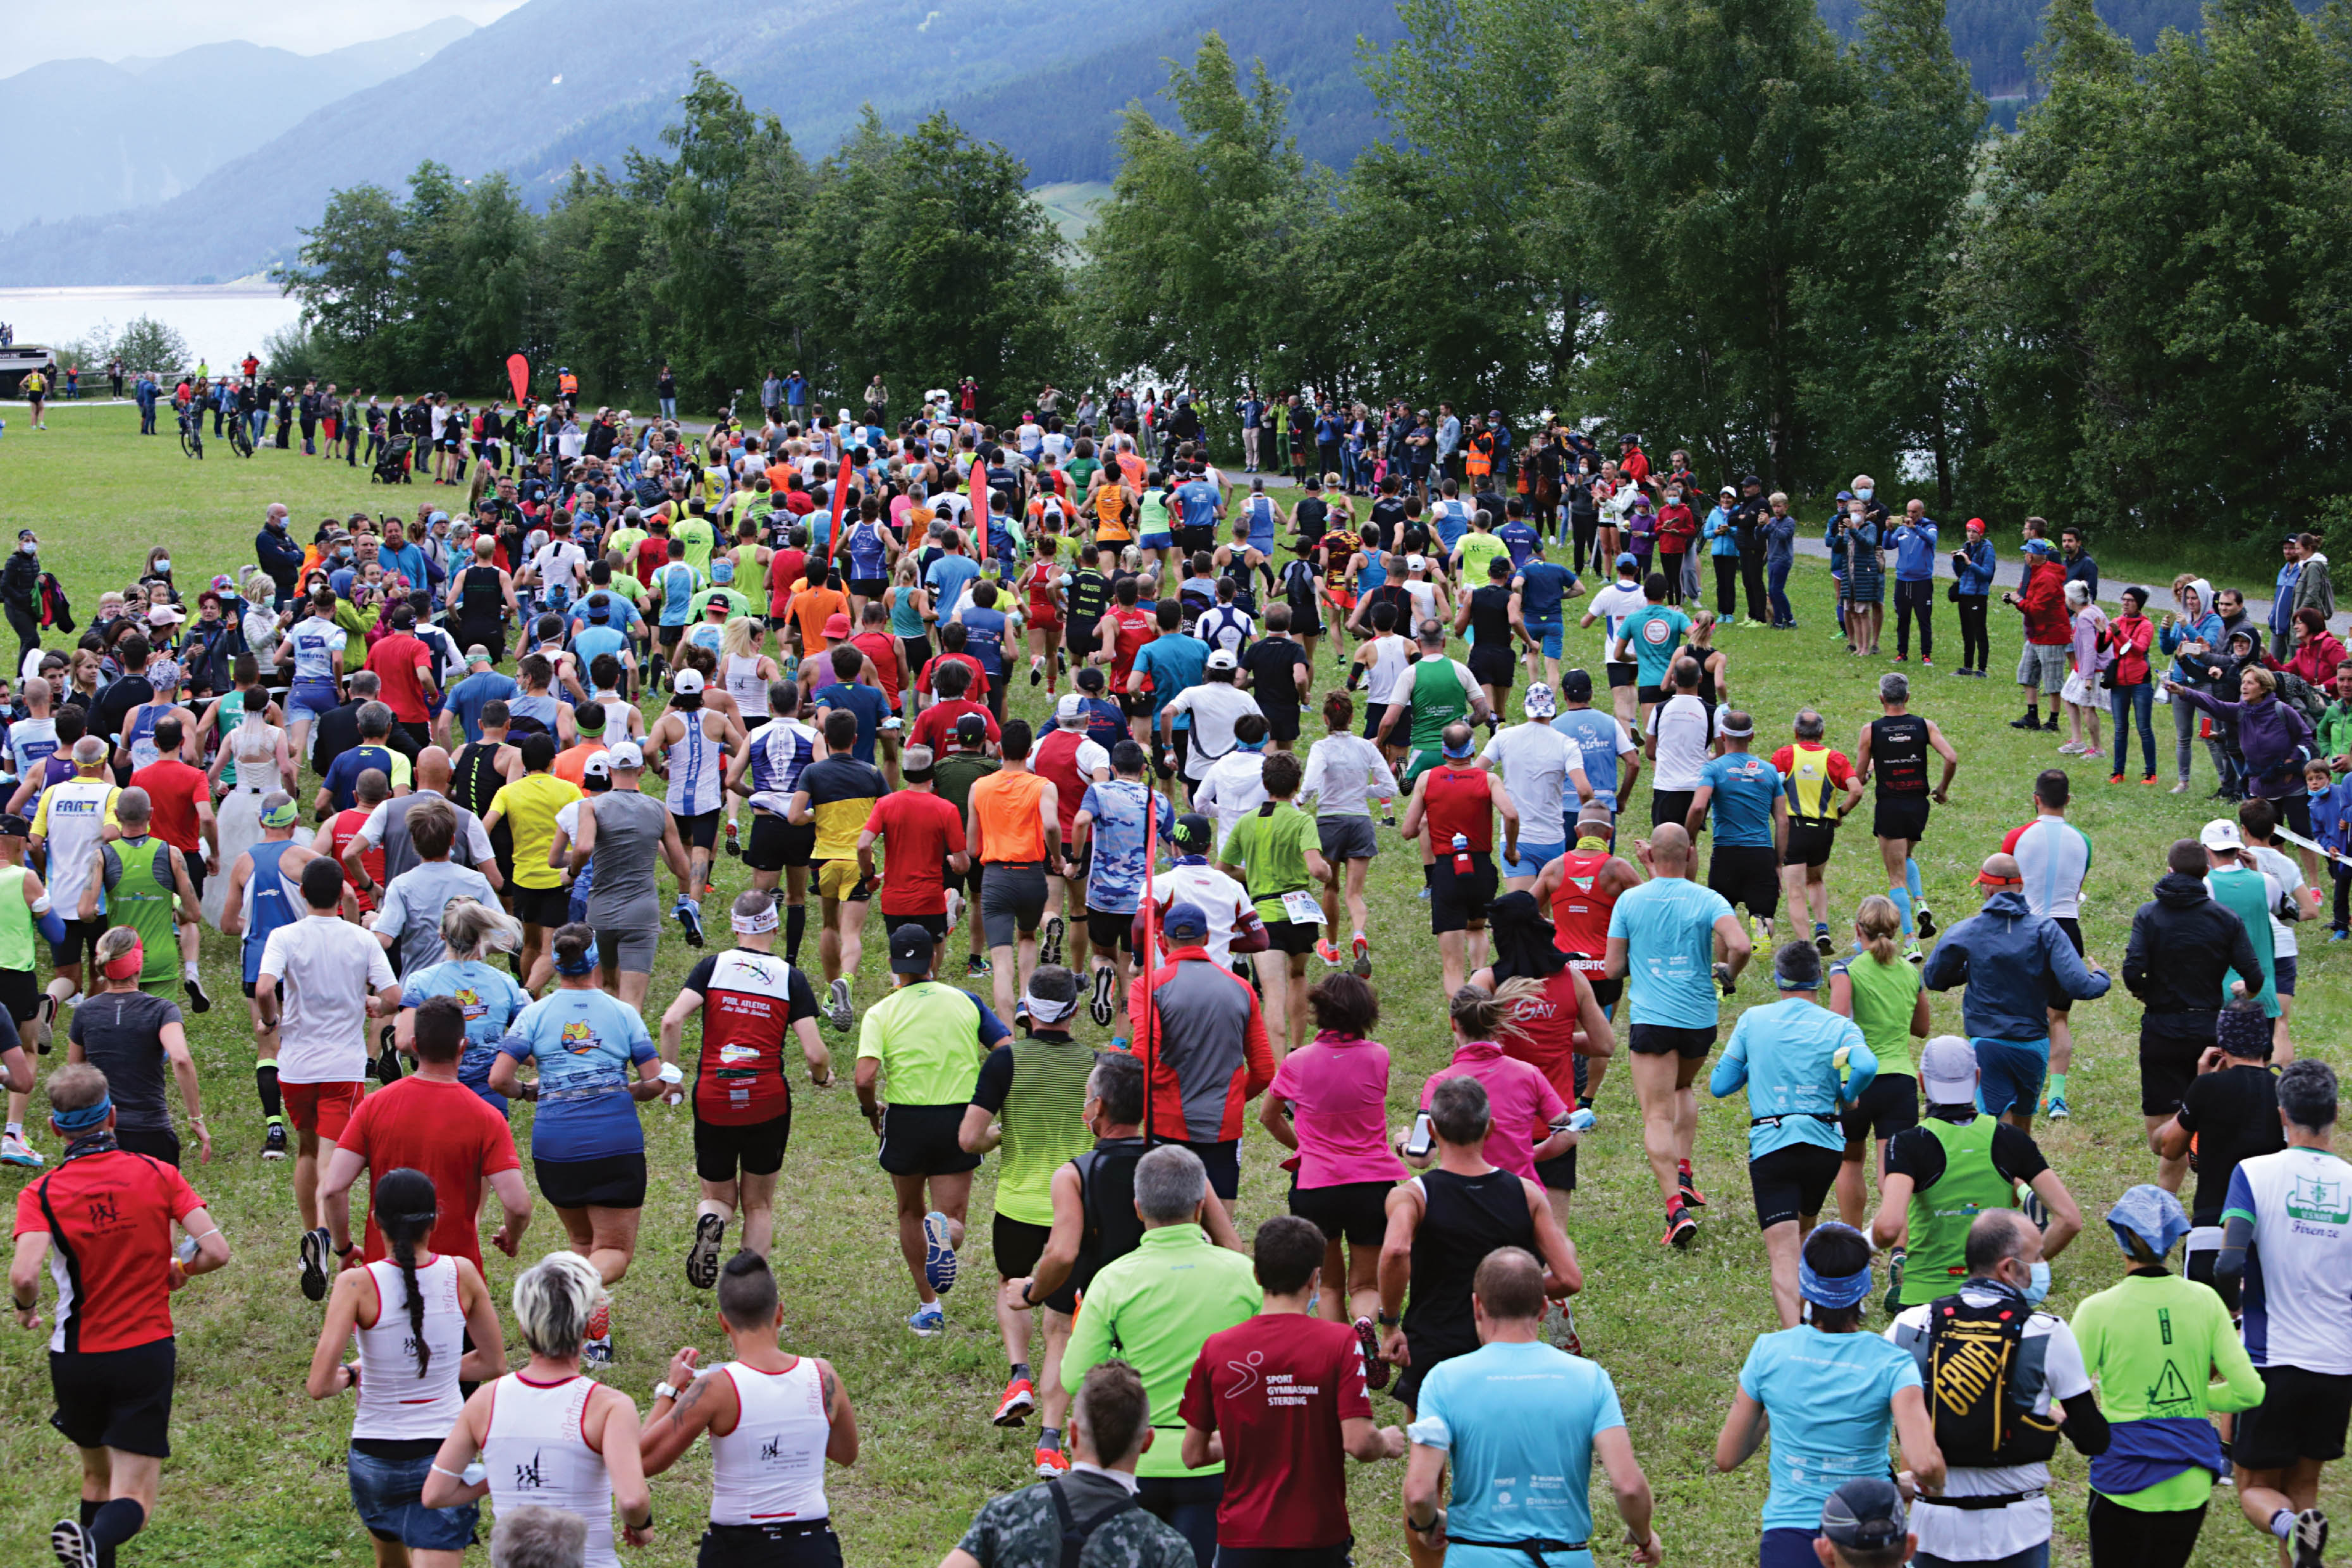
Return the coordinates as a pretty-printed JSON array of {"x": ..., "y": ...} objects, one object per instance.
[
  {"x": 1387, "y": 1321},
  {"x": 664, "y": 1390}
]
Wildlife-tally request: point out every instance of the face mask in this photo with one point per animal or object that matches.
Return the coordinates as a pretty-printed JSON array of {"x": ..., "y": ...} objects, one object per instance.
[
  {"x": 1865, "y": 492},
  {"x": 2038, "y": 1285},
  {"x": 165, "y": 564},
  {"x": 29, "y": 548}
]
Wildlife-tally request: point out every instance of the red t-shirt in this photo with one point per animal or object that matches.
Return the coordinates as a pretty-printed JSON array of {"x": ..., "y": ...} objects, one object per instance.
[
  {"x": 1132, "y": 628},
  {"x": 653, "y": 554},
  {"x": 1456, "y": 799},
  {"x": 882, "y": 650},
  {"x": 1546, "y": 1037},
  {"x": 109, "y": 1217},
  {"x": 172, "y": 789},
  {"x": 935, "y": 727},
  {"x": 919, "y": 831},
  {"x": 785, "y": 567},
  {"x": 1278, "y": 1386},
  {"x": 928, "y": 681},
  {"x": 347, "y": 824},
  {"x": 445, "y": 1130},
  {"x": 395, "y": 661}
]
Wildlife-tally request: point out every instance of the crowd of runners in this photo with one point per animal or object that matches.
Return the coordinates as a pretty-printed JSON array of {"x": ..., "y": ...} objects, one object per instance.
[{"x": 1104, "y": 727}]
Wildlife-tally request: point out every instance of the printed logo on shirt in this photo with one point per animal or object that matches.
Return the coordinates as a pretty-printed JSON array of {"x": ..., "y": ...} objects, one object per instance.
[
  {"x": 469, "y": 1002},
  {"x": 579, "y": 1039},
  {"x": 2318, "y": 1201},
  {"x": 1656, "y": 632}
]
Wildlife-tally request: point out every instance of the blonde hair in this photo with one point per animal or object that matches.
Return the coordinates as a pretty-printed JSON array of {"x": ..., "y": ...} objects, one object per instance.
[
  {"x": 1484, "y": 1015},
  {"x": 470, "y": 927},
  {"x": 739, "y": 635},
  {"x": 1880, "y": 925},
  {"x": 259, "y": 589},
  {"x": 1701, "y": 618},
  {"x": 113, "y": 944},
  {"x": 552, "y": 1301},
  {"x": 2262, "y": 678}
]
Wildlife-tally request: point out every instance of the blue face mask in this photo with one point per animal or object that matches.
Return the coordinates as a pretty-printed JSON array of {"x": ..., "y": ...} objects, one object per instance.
[
  {"x": 1865, "y": 492},
  {"x": 2037, "y": 1286}
]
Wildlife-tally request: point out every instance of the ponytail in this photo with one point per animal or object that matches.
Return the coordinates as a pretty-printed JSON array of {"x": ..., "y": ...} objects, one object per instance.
[
  {"x": 406, "y": 1207},
  {"x": 1880, "y": 926},
  {"x": 1484, "y": 1015}
]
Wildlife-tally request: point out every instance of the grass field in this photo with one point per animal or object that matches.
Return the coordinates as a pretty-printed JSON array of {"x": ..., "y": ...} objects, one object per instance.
[{"x": 257, "y": 1478}]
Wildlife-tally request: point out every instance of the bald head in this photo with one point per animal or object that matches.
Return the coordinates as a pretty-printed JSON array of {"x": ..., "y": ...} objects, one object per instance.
[
  {"x": 1670, "y": 847},
  {"x": 1508, "y": 1287},
  {"x": 1998, "y": 874},
  {"x": 433, "y": 770}
]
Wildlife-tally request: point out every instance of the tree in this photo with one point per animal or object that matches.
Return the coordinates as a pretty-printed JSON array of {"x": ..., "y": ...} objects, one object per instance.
[
  {"x": 147, "y": 343},
  {"x": 347, "y": 280}
]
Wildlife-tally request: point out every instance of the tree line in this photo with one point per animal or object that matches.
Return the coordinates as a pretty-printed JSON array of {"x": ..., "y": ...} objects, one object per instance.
[{"x": 1708, "y": 221}]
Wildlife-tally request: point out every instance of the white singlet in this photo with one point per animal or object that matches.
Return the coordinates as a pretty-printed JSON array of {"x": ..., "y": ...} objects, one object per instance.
[
  {"x": 739, "y": 673},
  {"x": 697, "y": 768},
  {"x": 772, "y": 1467},
  {"x": 394, "y": 1402},
  {"x": 537, "y": 1455}
]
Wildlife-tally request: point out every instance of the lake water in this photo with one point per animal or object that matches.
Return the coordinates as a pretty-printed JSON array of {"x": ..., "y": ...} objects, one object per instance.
[{"x": 222, "y": 323}]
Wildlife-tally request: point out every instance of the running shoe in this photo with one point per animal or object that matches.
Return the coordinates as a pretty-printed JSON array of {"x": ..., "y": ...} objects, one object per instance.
[
  {"x": 689, "y": 919},
  {"x": 1368, "y": 1340},
  {"x": 1759, "y": 931},
  {"x": 1913, "y": 954},
  {"x": 316, "y": 1245},
  {"x": 1689, "y": 1185},
  {"x": 978, "y": 968},
  {"x": 1362, "y": 967},
  {"x": 196, "y": 997},
  {"x": 928, "y": 1320},
  {"x": 387, "y": 1061},
  {"x": 1098, "y": 1006},
  {"x": 2057, "y": 1107},
  {"x": 1050, "y": 1462},
  {"x": 598, "y": 1330},
  {"x": 1923, "y": 917},
  {"x": 837, "y": 1009},
  {"x": 2115, "y": 778},
  {"x": 938, "y": 1257},
  {"x": 597, "y": 1352},
  {"x": 71, "y": 1541},
  {"x": 1893, "y": 1304},
  {"x": 2339, "y": 935},
  {"x": 14, "y": 1151},
  {"x": 1680, "y": 1228},
  {"x": 273, "y": 1142},
  {"x": 734, "y": 841},
  {"x": 46, "y": 1025},
  {"x": 1327, "y": 952},
  {"x": 1725, "y": 982},
  {"x": 1049, "y": 947},
  {"x": 702, "y": 1253},
  {"x": 1902, "y": 659},
  {"x": 2310, "y": 1538},
  {"x": 1821, "y": 942},
  {"x": 2072, "y": 749},
  {"x": 1037, "y": 670},
  {"x": 955, "y": 908},
  {"x": 1563, "y": 1331},
  {"x": 1020, "y": 1398}
]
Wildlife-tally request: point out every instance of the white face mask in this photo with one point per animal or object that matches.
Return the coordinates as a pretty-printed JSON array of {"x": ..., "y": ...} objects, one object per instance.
[
  {"x": 29, "y": 547},
  {"x": 1865, "y": 492},
  {"x": 165, "y": 564}
]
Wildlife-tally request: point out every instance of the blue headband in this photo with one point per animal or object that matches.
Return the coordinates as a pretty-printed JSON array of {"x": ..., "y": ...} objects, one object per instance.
[
  {"x": 586, "y": 966},
  {"x": 1832, "y": 1289},
  {"x": 87, "y": 1117}
]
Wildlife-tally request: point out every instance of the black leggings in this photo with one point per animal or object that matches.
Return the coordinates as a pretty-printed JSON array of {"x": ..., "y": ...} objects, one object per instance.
[
  {"x": 1975, "y": 648},
  {"x": 1581, "y": 527},
  {"x": 1914, "y": 599},
  {"x": 2129, "y": 1538},
  {"x": 1726, "y": 587}
]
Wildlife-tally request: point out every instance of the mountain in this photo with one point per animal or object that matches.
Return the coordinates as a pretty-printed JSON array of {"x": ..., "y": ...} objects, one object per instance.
[{"x": 147, "y": 129}]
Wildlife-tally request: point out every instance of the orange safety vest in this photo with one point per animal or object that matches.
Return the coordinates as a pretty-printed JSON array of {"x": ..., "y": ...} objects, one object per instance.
[
  {"x": 1479, "y": 459},
  {"x": 568, "y": 385}
]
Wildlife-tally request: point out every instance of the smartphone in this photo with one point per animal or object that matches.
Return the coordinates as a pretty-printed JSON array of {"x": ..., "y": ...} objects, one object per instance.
[{"x": 1417, "y": 1143}]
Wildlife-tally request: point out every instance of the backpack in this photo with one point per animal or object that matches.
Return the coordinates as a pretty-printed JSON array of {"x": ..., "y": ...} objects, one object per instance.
[
  {"x": 1983, "y": 1381},
  {"x": 2302, "y": 696}
]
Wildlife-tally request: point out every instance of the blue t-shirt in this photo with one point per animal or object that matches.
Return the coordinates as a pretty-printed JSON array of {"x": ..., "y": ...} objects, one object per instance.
[
  {"x": 1521, "y": 540},
  {"x": 587, "y": 1045},
  {"x": 1173, "y": 661},
  {"x": 867, "y": 702},
  {"x": 342, "y": 780},
  {"x": 316, "y": 644},
  {"x": 1785, "y": 1054},
  {"x": 950, "y": 575},
  {"x": 675, "y": 583},
  {"x": 984, "y": 637},
  {"x": 1517, "y": 1424},
  {"x": 1199, "y": 499},
  {"x": 1596, "y": 735},
  {"x": 1744, "y": 787},
  {"x": 1669, "y": 926},
  {"x": 593, "y": 641},
  {"x": 1542, "y": 585},
  {"x": 490, "y": 998},
  {"x": 1830, "y": 1401},
  {"x": 1452, "y": 521},
  {"x": 1114, "y": 881},
  {"x": 1654, "y": 631}
]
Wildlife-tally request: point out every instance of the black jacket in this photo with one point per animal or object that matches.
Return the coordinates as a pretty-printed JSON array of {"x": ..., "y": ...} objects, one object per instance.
[
  {"x": 20, "y": 582},
  {"x": 2183, "y": 947},
  {"x": 280, "y": 556}
]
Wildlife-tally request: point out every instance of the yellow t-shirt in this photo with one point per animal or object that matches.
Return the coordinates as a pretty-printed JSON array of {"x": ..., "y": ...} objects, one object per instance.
[
  {"x": 528, "y": 807},
  {"x": 699, "y": 539}
]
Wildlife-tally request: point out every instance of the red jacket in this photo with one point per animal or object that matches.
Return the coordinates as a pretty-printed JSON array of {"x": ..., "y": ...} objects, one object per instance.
[
  {"x": 2043, "y": 600},
  {"x": 2130, "y": 636},
  {"x": 1201, "y": 1038},
  {"x": 2316, "y": 660}
]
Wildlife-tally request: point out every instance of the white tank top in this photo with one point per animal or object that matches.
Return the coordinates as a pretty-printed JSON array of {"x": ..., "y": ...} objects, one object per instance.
[
  {"x": 697, "y": 768},
  {"x": 537, "y": 1455},
  {"x": 772, "y": 1467},
  {"x": 740, "y": 674},
  {"x": 394, "y": 1402},
  {"x": 616, "y": 717}
]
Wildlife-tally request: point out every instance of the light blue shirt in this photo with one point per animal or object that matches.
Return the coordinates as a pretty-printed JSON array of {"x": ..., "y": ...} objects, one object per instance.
[
  {"x": 316, "y": 643},
  {"x": 1517, "y": 1424},
  {"x": 1830, "y": 1401},
  {"x": 950, "y": 575},
  {"x": 586, "y": 1044},
  {"x": 1785, "y": 1053},
  {"x": 490, "y": 998},
  {"x": 1669, "y": 927},
  {"x": 1596, "y": 735}
]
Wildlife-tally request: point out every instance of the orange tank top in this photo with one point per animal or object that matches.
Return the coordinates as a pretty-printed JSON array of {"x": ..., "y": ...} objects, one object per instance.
[{"x": 1010, "y": 827}]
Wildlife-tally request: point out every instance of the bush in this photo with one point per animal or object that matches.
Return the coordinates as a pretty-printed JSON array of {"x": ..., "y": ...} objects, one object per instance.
[
  {"x": 297, "y": 353},
  {"x": 152, "y": 345}
]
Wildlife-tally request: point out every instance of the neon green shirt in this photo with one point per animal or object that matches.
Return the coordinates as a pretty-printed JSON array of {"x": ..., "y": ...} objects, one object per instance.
[
  {"x": 1476, "y": 549},
  {"x": 1159, "y": 1305},
  {"x": 2153, "y": 1344},
  {"x": 927, "y": 1037}
]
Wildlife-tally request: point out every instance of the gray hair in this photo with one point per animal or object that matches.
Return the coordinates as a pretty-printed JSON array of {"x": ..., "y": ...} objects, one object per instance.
[
  {"x": 90, "y": 751},
  {"x": 375, "y": 718},
  {"x": 1170, "y": 1184},
  {"x": 133, "y": 803},
  {"x": 1893, "y": 687},
  {"x": 1810, "y": 725},
  {"x": 536, "y": 1537},
  {"x": 367, "y": 683},
  {"x": 2078, "y": 592},
  {"x": 553, "y": 1299}
]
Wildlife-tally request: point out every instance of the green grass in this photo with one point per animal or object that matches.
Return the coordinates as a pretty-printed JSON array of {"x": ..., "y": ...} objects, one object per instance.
[{"x": 257, "y": 1476}]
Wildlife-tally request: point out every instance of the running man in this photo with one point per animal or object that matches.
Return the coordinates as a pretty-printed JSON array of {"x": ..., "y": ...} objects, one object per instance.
[
  {"x": 1452, "y": 815},
  {"x": 1112, "y": 822},
  {"x": 1811, "y": 775},
  {"x": 624, "y": 836},
  {"x": 835, "y": 799},
  {"x": 690, "y": 746},
  {"x": 1274, "y": 853},
  {"x": 1895, "y": 747},
  {"x": 1751, "y": 822},
  {"x": 2053, "y": 859},
  {"x": 1013, "y": 829},
  {"x": 528, "y": 807}
]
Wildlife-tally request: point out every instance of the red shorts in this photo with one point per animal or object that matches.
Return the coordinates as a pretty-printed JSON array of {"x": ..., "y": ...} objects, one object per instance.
[
  {"x": 1046, "y": 622},
  {"x": 323, "y": 1107},
  {"x": 1345, "y": 600}
]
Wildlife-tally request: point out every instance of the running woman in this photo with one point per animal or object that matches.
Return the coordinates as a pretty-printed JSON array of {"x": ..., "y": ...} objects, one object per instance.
[
  {"x": 1047, "y": 588},
  {"x": 1344, "y": 772},
  {"x": 772, "y": 1417},
  {"x": 315, "y": 648},
  {"x": 746, "y": 673},
  {"x": 691, "y": 747},
  {"x": 750, "y": 1001},
  {"x": 1894, "y": 748},
  {"x": 424, "y": 1321},
  {"x": 485, "y": 992}
]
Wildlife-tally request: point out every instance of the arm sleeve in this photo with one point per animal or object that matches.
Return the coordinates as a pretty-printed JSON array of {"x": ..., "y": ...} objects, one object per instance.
[
  {"x": 1731, "y": 1072},
  {"x": 2240, "y": 1386},
  {"x": 996, "y": 1080}
]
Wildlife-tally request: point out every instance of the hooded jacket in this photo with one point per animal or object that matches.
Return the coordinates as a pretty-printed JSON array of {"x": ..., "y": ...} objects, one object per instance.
[
  {"x": 2009, "y": 958},
  {"x": 2314, "y": 589},
  {"x": 2204, "y": 627},
  {"x": 2270, "y": 736},
  {"x": 2044, "y": 602},
  {"x": 2183, "y": 948}
]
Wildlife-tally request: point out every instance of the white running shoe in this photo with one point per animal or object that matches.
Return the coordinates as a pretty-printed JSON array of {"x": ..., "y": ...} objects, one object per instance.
[{"x": 14, "y": 1151}]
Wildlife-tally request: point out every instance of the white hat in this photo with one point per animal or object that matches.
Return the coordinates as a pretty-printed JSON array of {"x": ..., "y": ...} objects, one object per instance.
[
  {"x": 1223, "y": 659},
  {"x": 1539, "y": 702},
  {"x": 1072, "y": 706},
  {"x": 1416, "y": 562},
  {"x": 165, "y": 616},
  {"x": 687, "y": 682},
  {"x": 628, "y": 755},
  {"x": 1947, "y": 1071},
  {"x": 598, "y": 765},
  {"x": 2221, "y": 834}
]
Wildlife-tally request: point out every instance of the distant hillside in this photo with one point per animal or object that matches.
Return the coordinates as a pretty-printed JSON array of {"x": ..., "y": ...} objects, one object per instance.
[{"x": 144, "y": 130}]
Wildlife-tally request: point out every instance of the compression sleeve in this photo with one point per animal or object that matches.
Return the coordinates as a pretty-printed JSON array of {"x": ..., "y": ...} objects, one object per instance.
[{"x": 52, "y": 928}]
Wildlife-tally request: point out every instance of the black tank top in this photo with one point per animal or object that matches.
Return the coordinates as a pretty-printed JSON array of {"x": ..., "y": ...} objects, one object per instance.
[
  {"x": 1490, "y": 618},
  {"x": 473, "y": 776},
  {"x": 1462, "y": 1219},
  {"x": 480, "y": 601},
  {"x": 1705, "y": 657},
  {"x": 1898, "y": 754},
  {"x": 1106, "y": 1195}
]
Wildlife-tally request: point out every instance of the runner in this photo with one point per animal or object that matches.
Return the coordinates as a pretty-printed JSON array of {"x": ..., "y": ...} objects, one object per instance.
[
  {"x": 25, "y": 912},
  {"x": 766, "y": 772},
  {"x": 750, "y": 1002},
  {"x": 1452, "y": 815},
  {"x": 485, "y": 993},
  {"x": 1273, "y": 853},
  {"x": 1811, "y": 775},
  {"x": 1611, "y": 761},
  {"x": 528, "y": 806},
  {"x": 264, "y": 891},
  {"x": 773, "y": 1418},
  {"x": 102, "y": 1220},
  {"x": 931, "y": 1040},
  {"x": 2054, "y": 858},
  {"x": 1681, "y": 741},
  {"x": 1201, "y": 1038},
  {"x": 1539, "y": 591},
  {"x": 1490, "y": 614},
  {"x": 423, "y": 1320},
  {"x": 73, "y": 817},
  {"x": 1013, "y": 828},
  {"x": 1895, "y": 747},
  {"x": 131, "y": 1035},
  {"x": 689, "y": 747},
  {"x": 547, "y": 1434},
  {"x": 182, "y": 813},
  {"x": 1537, "y": 764},
  {"x": 1343, "y": 773},
  {"x": 1751, "y": 822},
  {"x": 834, "y": 798},
  {"x": 1109, "y": 835},
  {"x": 1647, "y": 638},
  {"x": 746, "y": 674},
  {"x": 586, "y": 1146},
  {"x": 147, "y": 888},
  {"x": 622, "y": 838},
  {"x": 1440, "y": 693},
  {"x": 314, "y": 646},
  {"x": 2230, "y": 1114},
  {"x": 1883, "y": 995}
]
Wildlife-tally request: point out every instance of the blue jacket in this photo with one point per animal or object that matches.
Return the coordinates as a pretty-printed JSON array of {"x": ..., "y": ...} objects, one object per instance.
[
  {"x": 1914, "y": 550},
  {"x": 1720, "y": 532},
  {"x": 2009, "y": 959},
  {"x": 2283, "y": 597},
  {"x": 2331, "y": 817},
  {"x": 1780, "y": 540},
  {"x": 1972, "y": 571}
]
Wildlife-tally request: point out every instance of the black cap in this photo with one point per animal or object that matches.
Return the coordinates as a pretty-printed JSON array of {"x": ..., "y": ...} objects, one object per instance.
[
  {"x": 1866, "y": 1514},
  {"x": 1193, "y": 832},
  {"x": 12, "y": 826},
  {"x": 911, "y": 950},
  {"x": 1576, "y": 685},
  {"x": 971, "y": 730}
]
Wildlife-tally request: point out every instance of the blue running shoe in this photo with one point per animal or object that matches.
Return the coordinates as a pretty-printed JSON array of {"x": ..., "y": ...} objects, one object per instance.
[
  {"x": 939, "y": 1257},
  {"x": 928, "y": 1320}
]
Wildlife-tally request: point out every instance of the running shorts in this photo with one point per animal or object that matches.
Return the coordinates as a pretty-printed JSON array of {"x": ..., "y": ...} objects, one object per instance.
[
  {"x": 1666, "y": 1039},
  {"x": 756, "y": 1150},
  {"x": 1353, "y": 1212},
  {"x": 1790, "y": 1182},
  {"x": 1748, "y": 876},
  {"x": 843, "y": 881},
  {"x": 921, "y": 1140},
  {"x": 324, "y": 1108},
  {"x": 1012, "y": 901},
  {"x": 548, "y": 907},
  {"x": 699, "y": 829},
  {"x": 1900, "y": 817},
  {"x": 609, "y": 1181},
  {"x": 1456, "y": 901},
  {"x": 2303, "y": 1415},
  {"x": 116, "y": 1399},
  {"x": 1810, "y": 843},
  {"x": 776, "y": 843},
  {"x": 1890, "y": 1105}
]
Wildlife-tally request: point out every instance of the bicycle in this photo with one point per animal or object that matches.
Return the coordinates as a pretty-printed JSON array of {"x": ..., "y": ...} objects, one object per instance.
[
  {"x": 191, "y": 433},
  {"x": 240, "y": 438}
]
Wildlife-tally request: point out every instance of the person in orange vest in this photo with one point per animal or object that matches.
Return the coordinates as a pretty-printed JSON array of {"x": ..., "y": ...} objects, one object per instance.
[
  {"x": 1479, "y": 456},
  {"x": 567, "y": 386}
]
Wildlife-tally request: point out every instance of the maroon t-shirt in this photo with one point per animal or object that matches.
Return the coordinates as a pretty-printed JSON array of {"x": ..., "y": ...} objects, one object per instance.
[{"x": 1278, "y": 1387}]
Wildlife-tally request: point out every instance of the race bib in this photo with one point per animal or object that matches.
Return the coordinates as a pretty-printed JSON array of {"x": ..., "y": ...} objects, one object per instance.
[{"x": 1302, "y": 908}]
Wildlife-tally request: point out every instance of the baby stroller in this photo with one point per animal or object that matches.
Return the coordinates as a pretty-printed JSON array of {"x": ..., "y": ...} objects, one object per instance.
[{"x": 392, "y": 464}]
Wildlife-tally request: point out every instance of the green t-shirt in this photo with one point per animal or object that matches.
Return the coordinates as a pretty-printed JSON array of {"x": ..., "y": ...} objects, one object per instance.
[
  {"x": 737, "y": 604},
  {"x": 1885, "y": 997},
  {"x": 2153, "y": 1342},
  {"x": 927, "y": 1037},
  {"x": 1476, "y": 549},
  {"x": 699, "y": 538},
  {"x": 1270, "y": 847},
  {"x": 1655, "y": 631},
  {"x": 1037, "y": 1090},
  {"x": 1082, "y": 472}
]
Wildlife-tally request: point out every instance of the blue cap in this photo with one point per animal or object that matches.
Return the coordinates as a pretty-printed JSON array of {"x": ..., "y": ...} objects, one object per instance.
[
  {"x": 2039, "y": 547},
  {"x": 2151, "y": 1215},
  {"x": 1845, "y": 495},
  {"x": 1185, "y": 921},
  {"x": 1626, "y": 560}
]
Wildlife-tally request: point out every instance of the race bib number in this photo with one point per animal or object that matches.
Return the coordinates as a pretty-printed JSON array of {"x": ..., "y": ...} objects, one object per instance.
[{"x": 1302, "y": 908}]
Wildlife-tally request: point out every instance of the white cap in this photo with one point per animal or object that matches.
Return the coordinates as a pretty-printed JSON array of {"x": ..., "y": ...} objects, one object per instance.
[
  {"x": 2221, "y": 834},
  {"x": 1947, "y": 1071},
  {"x": 625, "y": 757},
  {"x": 1416, "y": 562},
  {"x": 1072, "y": 706},
  {"x": 165, "y": 616},
  {"x": 1539, "y": 701},
  {"x": 598, "y": 765},
  {"x": 1223, "y": 659},
  {"x": 687, "y": 682}
]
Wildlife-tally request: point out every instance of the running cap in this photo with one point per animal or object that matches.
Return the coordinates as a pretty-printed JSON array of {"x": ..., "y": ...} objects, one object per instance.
[
  {"x": 911, "y": 950},
  {"x": 1576, "y": 686},
  {"x": 478, "y": 654},
  {"x": 1832, "y": 1289},
  {"x": 1071, "y": 705},
  {"x": 687, "y": 683},
  {"x": 1416, "y": 562},
  {"x": 1185, "y": 922},
  {"x": 1994, "y": 880},
  {"x": 2243, "y": 1032},
  {"x": 2150, "y": 1216},
  {"x": 1193, "y": 831},
  {"x": 1538, "y": 702},
  {"x": 2220, "y": 834},
  {"x": 1866, "y": 1514},
  {"x": 625, "y": 757},
  {"x": 1221, "y": 658},
  {"x": 598, "y": 765},
  {"x": 971, "y": 729},
  {"x": 164, "y": 674},
  {"x": 1626, "y": 563},
  {"x": 13, "y": 825},
  {"x": 837, "y": 626},
  {"x": 1947, "y": 1071}
]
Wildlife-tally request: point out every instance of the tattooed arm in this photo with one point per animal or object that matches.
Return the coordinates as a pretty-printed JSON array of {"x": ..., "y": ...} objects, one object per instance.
[
  {"x": 841, "y": 1446},
  {"x": 674, "y": 1422}
]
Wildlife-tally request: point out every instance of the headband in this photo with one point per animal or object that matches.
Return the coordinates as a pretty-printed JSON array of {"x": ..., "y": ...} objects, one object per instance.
[
  {"x": 585, "y": 964},
  {"x": 123, "y": 966},
  {"x": 282, "y": 815},
  {"x": 1044, "y": 1009},
  {"x": 754, "y": 925},
  {"x": 87, "y": 1117},
  {"x": 1787, "y": 982},
  {"x": 1833, "y": 1289}
]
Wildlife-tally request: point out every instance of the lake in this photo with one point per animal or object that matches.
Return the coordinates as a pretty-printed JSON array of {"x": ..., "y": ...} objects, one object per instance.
[{"x": 222, "y": 321}]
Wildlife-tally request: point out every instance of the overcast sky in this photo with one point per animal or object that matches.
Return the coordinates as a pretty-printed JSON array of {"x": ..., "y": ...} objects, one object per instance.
[{"x": 32, "y": 31}]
